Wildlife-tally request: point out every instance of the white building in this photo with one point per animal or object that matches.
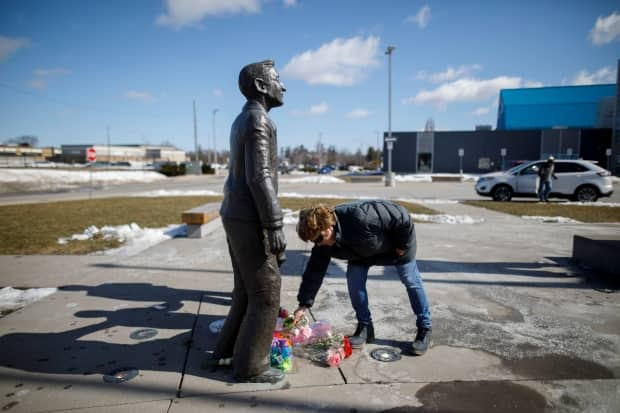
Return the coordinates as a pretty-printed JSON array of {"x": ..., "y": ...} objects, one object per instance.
[{"x": 124, "y": 153}]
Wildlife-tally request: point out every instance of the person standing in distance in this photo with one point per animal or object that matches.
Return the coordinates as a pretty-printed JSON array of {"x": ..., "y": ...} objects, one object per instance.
[
  {"x": 545, "y": 174},
  {"x": 252, "y": 219}
]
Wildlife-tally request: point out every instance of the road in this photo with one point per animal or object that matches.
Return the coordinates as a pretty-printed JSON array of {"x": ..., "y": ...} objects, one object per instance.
[{"x": 416, "y": 190}]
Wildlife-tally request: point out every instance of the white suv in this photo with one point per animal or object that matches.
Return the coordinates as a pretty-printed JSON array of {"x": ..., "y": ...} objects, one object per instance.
[{"x": 577, "y": 180}]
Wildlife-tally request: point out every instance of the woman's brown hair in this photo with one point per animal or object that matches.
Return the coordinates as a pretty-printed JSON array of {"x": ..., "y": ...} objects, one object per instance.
[{"x": 314, "y": 220}]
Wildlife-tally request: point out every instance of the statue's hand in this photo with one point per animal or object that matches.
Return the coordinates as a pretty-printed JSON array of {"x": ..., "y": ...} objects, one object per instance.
[{"x": 277, "y": 242}]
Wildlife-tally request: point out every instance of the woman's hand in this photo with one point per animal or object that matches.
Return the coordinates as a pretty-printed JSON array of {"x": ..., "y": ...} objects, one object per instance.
[{"x": 299, "y": 313}]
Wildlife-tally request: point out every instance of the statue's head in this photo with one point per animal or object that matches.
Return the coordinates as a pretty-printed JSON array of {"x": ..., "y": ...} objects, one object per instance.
[{"x": 260, "y": 81}]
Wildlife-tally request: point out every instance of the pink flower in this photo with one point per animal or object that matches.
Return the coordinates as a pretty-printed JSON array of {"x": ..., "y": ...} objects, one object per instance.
[{"x": 334, "y": 357}]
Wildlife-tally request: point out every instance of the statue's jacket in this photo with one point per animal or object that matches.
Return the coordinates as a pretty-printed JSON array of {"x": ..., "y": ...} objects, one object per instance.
[{"x": 250, "y": 191}]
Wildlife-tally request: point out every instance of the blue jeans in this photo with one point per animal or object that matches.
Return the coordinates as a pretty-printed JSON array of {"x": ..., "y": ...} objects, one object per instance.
[
  {"x": 409, "y": 275},
  {"x": 543, "y": 190}
]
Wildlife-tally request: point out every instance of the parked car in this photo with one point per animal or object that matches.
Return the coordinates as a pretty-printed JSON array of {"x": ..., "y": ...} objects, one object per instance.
[
  {"x": 577, "y": 180},
  {"x": 327, "y": 169}
]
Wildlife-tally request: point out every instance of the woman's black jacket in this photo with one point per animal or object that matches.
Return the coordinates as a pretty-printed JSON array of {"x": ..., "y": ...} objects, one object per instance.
[{"x": 367, "y": 233}]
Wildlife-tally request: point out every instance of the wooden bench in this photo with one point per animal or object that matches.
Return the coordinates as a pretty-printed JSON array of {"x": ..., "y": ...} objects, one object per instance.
[{"x": 197, "y": 218}]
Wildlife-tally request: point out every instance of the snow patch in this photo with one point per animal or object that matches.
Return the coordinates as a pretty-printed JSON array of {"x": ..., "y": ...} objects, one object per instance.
[
  {"x": 135, "y": 239},
  {"x": 435, "y": 201},
  {"x": 447, "y": 219},
  {"x": 45, "y": 180},
  {"x": 164, "y": 192},
  {"x": 12, "y": 299},
  {"x": 561, "y": 220},
  {"x": 315, "y": 179}
]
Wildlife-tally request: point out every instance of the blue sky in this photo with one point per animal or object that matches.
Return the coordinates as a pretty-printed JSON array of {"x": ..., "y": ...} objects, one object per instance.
[{"x": 69, "y": 69}]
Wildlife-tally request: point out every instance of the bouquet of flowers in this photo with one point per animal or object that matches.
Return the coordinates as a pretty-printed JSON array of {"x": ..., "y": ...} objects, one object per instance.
[
  {"x": 281, "y": 352},
  {"x": 314, "y": 341}
]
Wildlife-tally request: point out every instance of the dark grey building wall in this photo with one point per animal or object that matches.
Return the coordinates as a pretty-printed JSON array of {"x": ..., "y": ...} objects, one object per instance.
[
  {"x": 520, "y": 145},
  {"x": 404, "y": 154}
]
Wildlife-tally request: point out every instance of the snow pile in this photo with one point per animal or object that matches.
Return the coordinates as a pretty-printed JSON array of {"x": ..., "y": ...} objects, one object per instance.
[
  {"x": 12, "y": 299},
  {"x": 39, "y": 180},
  {"x": 135, "y": 239},
  {"x": 447, "y": 219},
  {"x": 290, "y": 216},
  {"x": 298, "y": 195},
  {"x": 164, "y": 192},
  {"x": 561, "y": 220},
  {"x": 599, "y": 204},
  {"x": 435, "y": 201},
  {"x": 429, "y": 177},
  {"x": 314, "y": 179},
  {"x": 413, "y": 178}
]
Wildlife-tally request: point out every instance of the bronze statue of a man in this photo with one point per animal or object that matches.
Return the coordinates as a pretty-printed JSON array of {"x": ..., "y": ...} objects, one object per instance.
[{"x": 252, "y": 219}]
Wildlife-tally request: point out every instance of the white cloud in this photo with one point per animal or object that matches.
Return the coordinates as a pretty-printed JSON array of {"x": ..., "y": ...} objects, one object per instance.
[
  {"x": 481, "y": 111},
  {"x": 145, "y": 97},
  {"x": 41, "y": 76},
  {"x": 342, "y": 62},
  {"x": 181, "y": 13},
  {"x": 422, "y": 17},
  {"x": 314, "y": 110},
  {"x": 290, "y": 3},
  {"x": 533, "y": 83},
  {"x": 9, "y": 45},
  {"x": 358, "y": 113},
  {"x": 464, "y": 90},
  {"x": 449, "y": 74},
  {"x": 606, "y": 29},
  {"x": 604, "y": 75},
  {"x": 218, "y": 92},
  {"x": 51, "y": 72},
  {"x": 38, "y": 83}
]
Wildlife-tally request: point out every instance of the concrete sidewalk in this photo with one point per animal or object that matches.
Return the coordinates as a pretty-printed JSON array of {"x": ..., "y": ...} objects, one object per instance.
[{"x": 517, "y": 328}]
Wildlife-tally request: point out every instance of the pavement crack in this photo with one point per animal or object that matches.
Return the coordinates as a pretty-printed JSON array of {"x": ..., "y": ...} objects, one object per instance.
[{"x": 189, "y": 347}]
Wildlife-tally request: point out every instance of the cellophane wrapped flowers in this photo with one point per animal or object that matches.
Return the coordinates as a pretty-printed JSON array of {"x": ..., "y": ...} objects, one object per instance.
[{"x": 313, "y": 341}]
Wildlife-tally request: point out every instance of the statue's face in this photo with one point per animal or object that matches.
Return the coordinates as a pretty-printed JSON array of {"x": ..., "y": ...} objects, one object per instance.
[{"x": 275, "y": 89}]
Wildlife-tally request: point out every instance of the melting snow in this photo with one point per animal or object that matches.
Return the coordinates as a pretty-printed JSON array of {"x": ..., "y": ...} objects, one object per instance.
[{"x": 11, "y": 298}]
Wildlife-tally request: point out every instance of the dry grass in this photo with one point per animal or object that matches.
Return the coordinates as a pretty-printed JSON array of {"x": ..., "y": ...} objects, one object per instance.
[
  {"x": 35, "y": 228},
  {"x": 583, "y": 213}
]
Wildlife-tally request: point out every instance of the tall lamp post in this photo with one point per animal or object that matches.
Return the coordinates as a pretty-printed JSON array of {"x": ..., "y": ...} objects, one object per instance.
[
  {"x": 197, "y": 169},
  {"x": 214, "y": 140},
  {"x": 389, "y": 179}
]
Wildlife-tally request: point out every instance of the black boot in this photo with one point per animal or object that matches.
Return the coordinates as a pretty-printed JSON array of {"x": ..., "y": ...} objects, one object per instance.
[
  {"x": 271, "y": 375},
  {"x": 364, "y": 333},
  {"x": 422, "y": 341}
]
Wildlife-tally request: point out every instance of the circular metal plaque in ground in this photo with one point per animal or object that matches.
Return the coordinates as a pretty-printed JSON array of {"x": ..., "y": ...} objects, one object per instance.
[
  {"x": 121, "y": 375},
  {"x": 143, "y": 334},
  {"x": 385, "y": 354}
]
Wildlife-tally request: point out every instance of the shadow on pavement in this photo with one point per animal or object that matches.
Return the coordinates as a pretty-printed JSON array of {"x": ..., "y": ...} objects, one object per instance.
[{"x": 113, "y": 337}]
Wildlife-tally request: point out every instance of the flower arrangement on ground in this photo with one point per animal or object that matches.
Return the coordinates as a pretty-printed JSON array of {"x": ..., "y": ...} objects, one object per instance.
[{"x": 313, "y": 341}]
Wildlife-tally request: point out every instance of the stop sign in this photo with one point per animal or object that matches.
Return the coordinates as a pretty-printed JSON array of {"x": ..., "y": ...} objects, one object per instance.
[{"x": 91, "y": 155}]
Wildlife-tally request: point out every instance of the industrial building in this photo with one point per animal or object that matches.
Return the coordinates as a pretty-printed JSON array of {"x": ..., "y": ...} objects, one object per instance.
[
  {"x": 143, "y": 154},
  {"x": 568, "y": 122}
]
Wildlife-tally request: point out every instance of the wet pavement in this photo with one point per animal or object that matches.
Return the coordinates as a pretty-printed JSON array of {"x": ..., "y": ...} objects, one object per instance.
[{"x": 517, "y": 327}]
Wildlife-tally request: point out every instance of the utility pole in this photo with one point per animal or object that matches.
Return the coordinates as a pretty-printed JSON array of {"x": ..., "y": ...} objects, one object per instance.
[
  {"x": 196, "y": 166},
  {"x": 109, "y": 151},
  {"x": 214, "y": 140},
  {"x": 389, "y": 179}
]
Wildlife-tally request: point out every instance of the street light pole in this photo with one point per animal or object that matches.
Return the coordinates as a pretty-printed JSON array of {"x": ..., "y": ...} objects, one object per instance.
[
  {"x": 197, "y": 169},
  {"x": 214, "y": 140},
  {"x": 389, "y": 179}
]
